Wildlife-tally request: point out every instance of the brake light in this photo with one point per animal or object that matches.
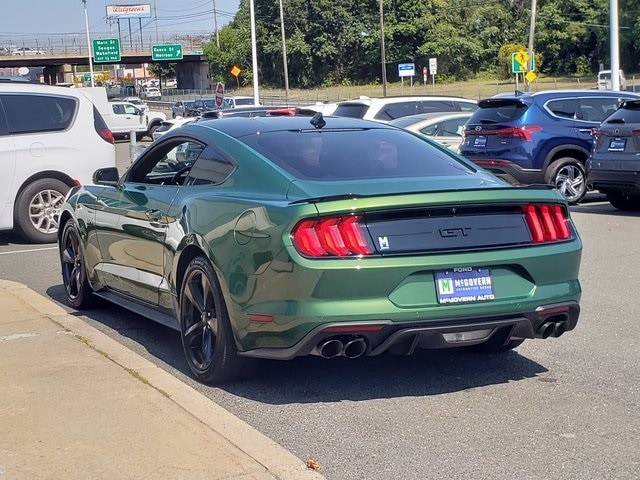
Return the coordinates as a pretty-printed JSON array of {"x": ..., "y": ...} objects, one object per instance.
[
  {"x": 547, "y": 223},
  {"x": 595, "y": 132},
  {"x": 635, "y": 132},
  {"x": 523, "y": 133},
  {"x": 331, "y": 236}
]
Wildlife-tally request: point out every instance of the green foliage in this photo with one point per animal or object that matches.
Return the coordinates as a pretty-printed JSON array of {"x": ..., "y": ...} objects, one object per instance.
[
  {"x": 338, "y": 42},
  {"x": 162, "y": 70}
]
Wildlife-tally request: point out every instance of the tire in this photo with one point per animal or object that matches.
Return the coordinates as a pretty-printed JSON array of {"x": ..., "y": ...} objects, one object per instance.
[
  {"x": 140, "y": 135},
  {"x": 78, "y": 292},
  {"x": 568, "y": 175},
  {"x": 207, "y": 337},
  {"x": 173, "y": 114},
  {"x": 37, "y": 210},
  {"x": 497, "y": 343},
  {"x": 152, "y": 129},
  {"x": 624, "y": 202}
]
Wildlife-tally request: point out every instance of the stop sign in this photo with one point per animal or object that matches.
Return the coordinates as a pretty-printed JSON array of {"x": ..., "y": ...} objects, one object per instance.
[{"x": 219, "y": 94}]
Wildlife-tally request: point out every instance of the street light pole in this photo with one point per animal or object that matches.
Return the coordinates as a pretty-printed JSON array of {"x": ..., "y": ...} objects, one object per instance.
[
  {"x": 86, "y": 25},
  {"x": 614, "y": 45},
  {"x": 254, "y": 54},
  {"x": 383, "y": 60}
]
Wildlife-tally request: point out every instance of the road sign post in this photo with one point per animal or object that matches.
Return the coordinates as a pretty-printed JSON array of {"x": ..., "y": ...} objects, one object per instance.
[
  {"x": 106, "y": 50},
  {"x": 433, "y": 69},
  {"x": 166, "y": 52}
]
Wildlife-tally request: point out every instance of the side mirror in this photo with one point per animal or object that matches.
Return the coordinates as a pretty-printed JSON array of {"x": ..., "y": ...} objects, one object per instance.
[{"x": 106, "y": 176}]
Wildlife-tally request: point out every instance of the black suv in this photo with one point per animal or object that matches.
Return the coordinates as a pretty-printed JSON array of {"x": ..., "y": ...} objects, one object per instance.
[
  {"x": 614, "y": 165},
  {"x": 541, "y": 137}
]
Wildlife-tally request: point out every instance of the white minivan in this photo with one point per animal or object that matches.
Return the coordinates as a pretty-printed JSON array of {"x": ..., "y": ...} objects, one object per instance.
[
  {"x": 604, "y": 80},
  {"x": 51, "y": 139}
]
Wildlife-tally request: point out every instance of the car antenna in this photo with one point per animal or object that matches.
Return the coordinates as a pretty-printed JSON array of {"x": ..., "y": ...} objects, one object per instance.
[{"x": 317, "y": 120}]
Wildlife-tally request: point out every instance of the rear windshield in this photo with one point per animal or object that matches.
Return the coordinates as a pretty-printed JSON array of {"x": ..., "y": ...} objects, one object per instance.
[
  {"x": 333, "y": 155},
  {"x": 629, "y": 113},
  {"x": 498, "y": 111}
]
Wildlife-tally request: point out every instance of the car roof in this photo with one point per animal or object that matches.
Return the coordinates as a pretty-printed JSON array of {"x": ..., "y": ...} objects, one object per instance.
[
  {"x": 418, "y": 117},
  {"x": 364, "y": 100},
  {"x": 547, "y": 94},
  {"x": 242, "y": 126}
]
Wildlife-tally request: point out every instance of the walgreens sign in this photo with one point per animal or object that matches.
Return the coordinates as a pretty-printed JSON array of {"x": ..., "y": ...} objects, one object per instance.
[{"x": 129, "y": 11}]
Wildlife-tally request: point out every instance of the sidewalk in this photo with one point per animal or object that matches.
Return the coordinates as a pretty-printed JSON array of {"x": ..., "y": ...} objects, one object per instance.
[{"x": 75, "y": 404}]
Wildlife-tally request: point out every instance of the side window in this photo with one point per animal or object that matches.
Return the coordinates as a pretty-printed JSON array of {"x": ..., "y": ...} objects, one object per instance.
[
  {"x": 597, "y": 109},
  {"x": 211, "y": 168},
  {"x": 392, "y": 111},
  {"x": 453, "y": 128},
  {"x": 467, "y": 106},
  {"x": 429, "y": 106},
  {"x": 131, "y": 110},
  {"x": 431, "y": 130},
  {"x": 117, "y": 109},
  {"x": 565, "y": 108},
  {"x": 38, "y": 113},
  {"x": 166, "y": 165}
]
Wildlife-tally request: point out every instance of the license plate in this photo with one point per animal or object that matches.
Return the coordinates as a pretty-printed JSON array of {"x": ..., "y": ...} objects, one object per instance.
[
  {"x": 480, "y": 141},
  {"x": 464, "y": 285},
  {"x": 617, "y": 144}
]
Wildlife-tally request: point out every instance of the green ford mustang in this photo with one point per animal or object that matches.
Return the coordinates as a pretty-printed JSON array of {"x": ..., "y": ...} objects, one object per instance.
[{"x": 278, "y": 237}]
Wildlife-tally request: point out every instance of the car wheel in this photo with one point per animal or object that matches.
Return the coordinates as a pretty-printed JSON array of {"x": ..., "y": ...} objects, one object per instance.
[
  {"x": 152, "y": 129},
  {"x": 497, "y": 343},
  {"x": 207, "y": 338},
  {"x": 568, "y": 176},
  {"x": 140, "y": 135},
  {"x": 623, "y": 202},
  {"x": 77, "y": 290},
  {"x": 173, "y": 114},
  {"x": 37, "y": 210}
]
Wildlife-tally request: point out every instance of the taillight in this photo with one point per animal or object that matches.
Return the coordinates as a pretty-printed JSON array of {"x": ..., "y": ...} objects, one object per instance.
[
  {"x": 101, "y": 127},
  {"x": 331, "y": 236},
  {"x": 547, "y": 223},
  {"x": 523, "y": 133},
  {"x": 595, "y": 133},
  {"x": 635, "y": 132}
]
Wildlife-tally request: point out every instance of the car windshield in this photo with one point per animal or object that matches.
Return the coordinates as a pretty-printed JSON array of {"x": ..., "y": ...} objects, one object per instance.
[{"x": 334, "y": 155}]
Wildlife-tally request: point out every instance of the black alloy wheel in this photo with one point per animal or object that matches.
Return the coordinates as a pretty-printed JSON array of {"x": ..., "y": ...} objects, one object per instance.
[
  {"x": 77, "y": 290},
  {"x": 207, "y": 338}
]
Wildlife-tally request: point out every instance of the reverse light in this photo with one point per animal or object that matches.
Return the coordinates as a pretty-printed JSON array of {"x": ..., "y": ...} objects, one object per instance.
[
  {"x": 547, "y": 223},
  {"x": 340, "y": 236}
]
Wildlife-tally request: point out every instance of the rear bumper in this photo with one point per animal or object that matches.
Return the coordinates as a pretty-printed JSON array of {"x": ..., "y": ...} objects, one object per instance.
[
  {"x": 509, "y": 171},
  {"x": 615, "y": 181},
  {"x": 386, "y": 336}
]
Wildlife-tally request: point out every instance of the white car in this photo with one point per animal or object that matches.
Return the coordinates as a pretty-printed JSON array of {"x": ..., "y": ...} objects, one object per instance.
[
  {"x": 51, "y": 139},
  {"x": 239, "y": 101},
  {"x": 389, "y": 108},
  {"x": 444, "y": 128},
  {"x": 152, "y": 93},
  {"x": 171, "y": 124}
]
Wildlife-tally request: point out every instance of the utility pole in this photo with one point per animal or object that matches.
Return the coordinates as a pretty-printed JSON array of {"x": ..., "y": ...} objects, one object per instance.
[
  {"x": 532, "y": 30},
  {"x": 215, "y": 24},
  {"x": 155, "y": 14},
  {"x": 284, "y": 56},
  {"x": 383, "y": 59}
]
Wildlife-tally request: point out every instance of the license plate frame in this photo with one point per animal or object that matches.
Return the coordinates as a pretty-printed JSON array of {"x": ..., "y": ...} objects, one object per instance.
[
  {"x": 617, "y": 144},
  {"x": 464, "y": 285},
  {"x": 480, "y": 141}
]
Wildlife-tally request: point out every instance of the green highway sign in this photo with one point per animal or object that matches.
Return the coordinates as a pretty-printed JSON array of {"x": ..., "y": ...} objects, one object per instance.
[
  {"x": 106, "y": 50},
  {"x": 166, "y": 52}
]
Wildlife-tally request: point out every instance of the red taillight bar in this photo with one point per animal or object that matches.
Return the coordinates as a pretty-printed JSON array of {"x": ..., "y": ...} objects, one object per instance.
[
  {"x": 547, "y": 223},
  {"x": 331, "y": 236},
  {"x": 523, "y": 133}
]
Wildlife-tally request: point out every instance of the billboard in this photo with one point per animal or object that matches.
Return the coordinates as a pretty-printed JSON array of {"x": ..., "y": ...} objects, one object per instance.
[{"x": 129, "y": 11}]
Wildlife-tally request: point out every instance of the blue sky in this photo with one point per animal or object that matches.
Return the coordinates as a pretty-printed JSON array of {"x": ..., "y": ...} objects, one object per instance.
[{"x": 29, "y": 19}]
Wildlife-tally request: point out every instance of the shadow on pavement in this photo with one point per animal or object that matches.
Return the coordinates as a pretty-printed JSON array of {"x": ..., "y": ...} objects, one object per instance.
[{"x": 313, "y": 379}]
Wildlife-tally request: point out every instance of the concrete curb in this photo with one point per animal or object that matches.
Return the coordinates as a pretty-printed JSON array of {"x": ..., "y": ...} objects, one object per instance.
[{"x": 278, "y": 461}]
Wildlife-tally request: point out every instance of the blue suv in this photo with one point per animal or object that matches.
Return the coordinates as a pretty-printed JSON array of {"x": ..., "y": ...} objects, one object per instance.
[{"x": 541, "y": 137}]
